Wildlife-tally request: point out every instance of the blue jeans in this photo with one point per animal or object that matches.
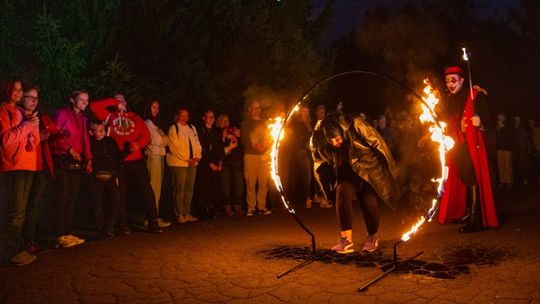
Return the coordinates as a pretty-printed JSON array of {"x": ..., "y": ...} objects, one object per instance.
[
  {"x": 17, "y": 187},
  {"x": 183, "y": 182}
]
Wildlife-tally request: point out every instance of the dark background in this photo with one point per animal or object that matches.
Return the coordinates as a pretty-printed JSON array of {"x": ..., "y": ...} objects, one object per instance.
[{"x": 221, "y": 53}]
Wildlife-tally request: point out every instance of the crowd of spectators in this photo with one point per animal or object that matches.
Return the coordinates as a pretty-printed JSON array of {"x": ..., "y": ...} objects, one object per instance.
[{"x": 134, "y": 172}]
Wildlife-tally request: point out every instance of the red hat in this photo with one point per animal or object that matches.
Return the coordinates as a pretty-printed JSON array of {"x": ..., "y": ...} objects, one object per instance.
[{"x": 453, "y": 70}]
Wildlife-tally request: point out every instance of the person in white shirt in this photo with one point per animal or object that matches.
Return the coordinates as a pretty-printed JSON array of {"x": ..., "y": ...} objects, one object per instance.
[
  {"x": 155, "y": 154},
  {"x": 184, "y": 154}
]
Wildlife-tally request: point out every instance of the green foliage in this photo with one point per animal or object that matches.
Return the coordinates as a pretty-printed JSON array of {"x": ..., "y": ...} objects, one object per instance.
[
  {"x": 115, "y": 77},
  {"x": 60, "y": 59},
  {"x": 10, "y": 42},
  {"x": 207, "y": 53}
]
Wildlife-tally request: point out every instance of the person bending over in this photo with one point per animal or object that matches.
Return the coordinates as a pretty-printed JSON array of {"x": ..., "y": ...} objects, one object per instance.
[{"x": 364, "y": 169}]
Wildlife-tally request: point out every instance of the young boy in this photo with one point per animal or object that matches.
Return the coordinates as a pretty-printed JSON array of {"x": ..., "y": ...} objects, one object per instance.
[{"x": 103, "y": 184}]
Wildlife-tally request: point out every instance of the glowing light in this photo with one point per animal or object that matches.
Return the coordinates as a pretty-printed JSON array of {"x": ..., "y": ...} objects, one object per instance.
[
  {"x": 465, "y": 56},
  {"x": 277, "y": 135},
  {"x": 444, "y": 143}
]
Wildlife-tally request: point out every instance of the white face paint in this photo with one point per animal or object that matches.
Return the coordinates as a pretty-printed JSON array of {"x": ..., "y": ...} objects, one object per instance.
[{"x": 454, "y": 83}]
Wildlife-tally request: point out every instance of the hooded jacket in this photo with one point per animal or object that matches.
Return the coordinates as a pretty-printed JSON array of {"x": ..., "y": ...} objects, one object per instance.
[
  {"x": 18, "y": 140},
  {"x": 368, "y": 156},
  {"x": 124, "y": 128}
]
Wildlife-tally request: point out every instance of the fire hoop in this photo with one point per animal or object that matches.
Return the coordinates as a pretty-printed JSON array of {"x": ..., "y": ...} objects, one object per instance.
[{"x": 277, "y": 135}]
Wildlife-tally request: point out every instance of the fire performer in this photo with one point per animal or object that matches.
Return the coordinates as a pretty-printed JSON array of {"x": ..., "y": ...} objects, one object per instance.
[
  {"x": 364, "y": 169},
  {"x": 468, "y": 196}
]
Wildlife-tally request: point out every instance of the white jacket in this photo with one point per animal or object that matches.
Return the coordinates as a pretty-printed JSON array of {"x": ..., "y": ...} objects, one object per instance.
[
  {"x": 158, "y": 140},
  {"x": 179, "y": 137}
]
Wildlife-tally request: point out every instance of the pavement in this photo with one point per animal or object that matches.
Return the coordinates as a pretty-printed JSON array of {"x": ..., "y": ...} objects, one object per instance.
[{"x": 236, "y": 260}]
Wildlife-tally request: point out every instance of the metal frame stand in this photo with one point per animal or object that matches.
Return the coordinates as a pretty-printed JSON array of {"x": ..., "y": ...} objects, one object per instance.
[
  {"x": 314, "y": 255},
  {"x": 395, "y": 266}
]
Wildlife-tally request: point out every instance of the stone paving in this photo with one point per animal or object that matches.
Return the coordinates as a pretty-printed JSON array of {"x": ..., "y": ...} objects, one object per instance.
[{"x": 236, "y": 260}]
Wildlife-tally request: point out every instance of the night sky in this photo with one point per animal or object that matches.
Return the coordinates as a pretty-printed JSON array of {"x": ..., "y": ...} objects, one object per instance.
[{"x": 348, "y": 13}]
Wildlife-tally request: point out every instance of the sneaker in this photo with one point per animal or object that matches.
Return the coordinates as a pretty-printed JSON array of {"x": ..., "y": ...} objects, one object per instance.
[
  {"x": 190, "y": 218},
  {"x": 324, "y": 203},
  {"x": 35, "y": 249},
  {"x": 162, "y": 223},
  {"x": 32, "y": 249},
  {"x": 74, "y": 237},
  {"x": 22, "y": 258},
  {"x": 181, "y": 219},
  {"x": 343, "y": 246},
  {"x": 249, "y": 213},
  {"x": 68, "y": 241},
  {"x": 308, "y": 203},
  {"x": 371, "y": 243},
  {"x": 229, "y": 211},
  {"x": 265, "y": 211},
  {"x": 239, "y": 211}
]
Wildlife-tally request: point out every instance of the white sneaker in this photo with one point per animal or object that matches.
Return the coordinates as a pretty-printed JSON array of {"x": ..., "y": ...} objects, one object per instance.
[
  {"x": 190, "y": 218},
  {"x": 371, "y": 243},
  {"x": 162, "y": 223},
  {"x": 324, "y": 203},
  {"x": 22, "y": 258},
  {"x": 181, "y": 219},
  {"x": 68, "y": 241},
  {"x": 266, "y": 212}
]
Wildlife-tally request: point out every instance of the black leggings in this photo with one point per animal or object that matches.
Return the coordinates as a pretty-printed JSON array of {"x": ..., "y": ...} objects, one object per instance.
[{"x": 345, "y": 192}]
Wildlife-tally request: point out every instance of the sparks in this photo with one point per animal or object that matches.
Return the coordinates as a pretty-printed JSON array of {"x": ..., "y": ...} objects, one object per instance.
[{"x": 444, "y": 142}]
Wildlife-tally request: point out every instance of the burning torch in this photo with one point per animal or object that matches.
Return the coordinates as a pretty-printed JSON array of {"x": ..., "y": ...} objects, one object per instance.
[{"x": 466, "y": 58}]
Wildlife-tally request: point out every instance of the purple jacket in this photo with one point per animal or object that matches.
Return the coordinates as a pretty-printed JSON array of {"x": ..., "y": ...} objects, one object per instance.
[{"x": 73, "y": 133}]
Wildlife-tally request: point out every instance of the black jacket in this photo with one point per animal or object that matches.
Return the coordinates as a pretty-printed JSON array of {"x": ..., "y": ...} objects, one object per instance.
[{"x": 368, "y": 156}]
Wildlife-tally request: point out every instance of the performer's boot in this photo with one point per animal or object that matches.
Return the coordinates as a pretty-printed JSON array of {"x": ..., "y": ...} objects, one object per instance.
[{"x": 474, "y": 223}]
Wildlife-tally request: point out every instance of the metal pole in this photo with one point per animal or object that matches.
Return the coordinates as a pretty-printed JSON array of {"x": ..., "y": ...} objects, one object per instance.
[
  {"x": 395, "y": 266},
  {"x": 466, "y": 58}
]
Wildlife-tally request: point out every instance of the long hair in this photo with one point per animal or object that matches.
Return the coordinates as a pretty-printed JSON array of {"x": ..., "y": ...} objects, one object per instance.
[
  {"x": 221, "y": 118},
  {"x": 148, "y": 113},
  {"x": 177, "y": 113},
  {"x": 7, "y": 89}
]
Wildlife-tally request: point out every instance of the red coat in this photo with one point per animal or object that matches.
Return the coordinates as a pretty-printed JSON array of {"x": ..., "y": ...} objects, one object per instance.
[
  {"x": 453, "y": 201},
  {"x": 18, "y": 140},
  {"x": 124, "y": 128}
]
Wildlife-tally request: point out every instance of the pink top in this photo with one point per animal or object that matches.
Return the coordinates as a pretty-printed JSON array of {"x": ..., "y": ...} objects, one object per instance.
[{"x": 73, "y": 133}]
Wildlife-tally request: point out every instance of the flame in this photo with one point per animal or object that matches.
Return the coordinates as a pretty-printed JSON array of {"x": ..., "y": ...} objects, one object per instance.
[
  {"x": 277, "y": 135},
  {"x": 444, "y": 142}
]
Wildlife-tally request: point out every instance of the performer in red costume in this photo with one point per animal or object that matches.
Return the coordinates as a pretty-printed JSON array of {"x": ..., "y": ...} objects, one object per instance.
[{"x": 468, "y": 196}]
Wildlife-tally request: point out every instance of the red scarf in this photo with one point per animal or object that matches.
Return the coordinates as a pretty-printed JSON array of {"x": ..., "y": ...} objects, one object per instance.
[{"x": 453, "y": 201}]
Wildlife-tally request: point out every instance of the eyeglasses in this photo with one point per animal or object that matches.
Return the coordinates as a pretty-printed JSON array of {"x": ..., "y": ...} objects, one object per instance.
[{"x": 35, "y": 98}]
